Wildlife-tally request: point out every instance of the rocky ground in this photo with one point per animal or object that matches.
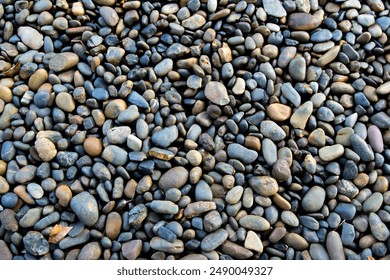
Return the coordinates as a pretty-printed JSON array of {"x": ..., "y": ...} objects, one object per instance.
[{"x": 194, "y": 129}]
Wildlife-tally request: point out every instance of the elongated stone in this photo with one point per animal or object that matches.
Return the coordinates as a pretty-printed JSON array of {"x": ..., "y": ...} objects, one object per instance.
[{"x": 63, "y": 61}]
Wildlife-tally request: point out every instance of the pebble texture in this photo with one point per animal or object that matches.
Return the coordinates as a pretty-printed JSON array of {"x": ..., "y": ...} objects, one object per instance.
[{"x": 194, "y": 130}]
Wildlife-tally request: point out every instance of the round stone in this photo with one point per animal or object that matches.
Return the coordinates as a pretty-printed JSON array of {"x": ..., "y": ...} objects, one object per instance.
[
  {"x": 314, "y": 199},
  {"x": 216, "y": 92},
  {"x": 93, "y": 146},
  {"x": 46, "y": 149}
]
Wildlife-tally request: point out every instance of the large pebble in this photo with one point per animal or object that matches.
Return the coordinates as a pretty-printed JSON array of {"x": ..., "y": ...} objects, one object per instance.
[
  {"x": 35, "y": 243},
  {"x": 85, "y": 207},
  {"x": 214, "y": 240},
  {"x": 173, "y": 178},
  {"x": 314, "y": 199}
]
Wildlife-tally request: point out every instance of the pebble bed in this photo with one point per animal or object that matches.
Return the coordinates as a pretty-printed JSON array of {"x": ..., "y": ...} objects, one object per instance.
[{"x": 194, "y": 129}]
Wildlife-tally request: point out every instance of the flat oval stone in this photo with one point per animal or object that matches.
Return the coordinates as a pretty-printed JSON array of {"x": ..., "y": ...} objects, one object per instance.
[
  {"x": 173, "y": 178},
  {"x": 301, "y": 115},
  {"x": 314, "y": 199},
  {"x": 84, "y": 205},
  {"x": 303, "y": 21},
  {"x": 113, "y": 225},
  {"x": 362, "y": 148},
  {"x": 378, "y": 227},
  {"x": 164, "y": 207},
  {"x": 30, "y": 37},
  {"x": 334, "y": 246},
  {"x": 214, "y": 240},
  {"x": 330, "y": 153},
  {"x": 296, "y": 241},
  {"x": 375, "y": 138},
  {"x": 373, "y": 203},
  {"x": 236, "y": 251},
  {"x": 253, "y": 222}
]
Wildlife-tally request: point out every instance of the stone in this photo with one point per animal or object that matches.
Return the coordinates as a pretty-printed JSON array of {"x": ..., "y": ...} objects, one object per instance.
[
  {"x": 35, "y": 243},
  {"x": 91, "y": 251},
  {"x": 334, "y": 246},
  {"x": 314, "y": 199},
  {"x": 164, "y": 207},
  {"x": 165, "y": 137},
  {"x": 297, "y": 68},
  {"x": 274, "y": 8},
  {"x": 255, "y": 223},
  {"x": 131, "y": 249},
  {"x": 281, "y": 170},
  {"x": 109, "y": 15},
  {"x": 8, "y": 220},
  {"x": 163, "y": 67},
  {"x": 214, "y": 240},
  {"x": 236, "y": 251},
  {"x": 264, "y": 185},
  {"x": 63, "y": 61},
  {"x": 115, "y": 155},
  {"x": 93, "y": 146},
  {"x": 330, "y": 153},
  {"x": 84, "y": 205},
  {"x": 65, "y": 102},
  {"x": 113, "y": 225},
  {"x": 253, "y": 242},
  {"x": 173, "y": 178},
  {"x": 162, "y": 245},
  {"x": 278, "y": 112},
  {"x": 30, "y": 37},
  {"x": 241, "y": 153},
  {"x": 296, "y": 241},
  {"x": 378, "y": 228},
  {"x": 5, "y": 253},
  {"x": 216, "y": 92},
  {"x": 4, "y": 186},
  {"x": 362, "y": 148},
  {"x": 318, "y": 252},
  {"x": 347, "y": 188},
  {"x": 272, "y": 131},
  {"x": 301, "y": 115},
  {"x": 194, "y": 22},
  {"x": 46, "y": 149},
  {"x": 375, "y": 138},
  {"x": 303, "y": 21},
  {"x": 197, "y": 208}
]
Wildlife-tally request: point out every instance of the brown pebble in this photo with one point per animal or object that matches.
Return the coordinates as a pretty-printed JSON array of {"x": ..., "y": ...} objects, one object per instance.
[
  {"x": 64, "y": 195},
  {"x": 93, "y": 146},
  {"x": 113, "y": 225}
]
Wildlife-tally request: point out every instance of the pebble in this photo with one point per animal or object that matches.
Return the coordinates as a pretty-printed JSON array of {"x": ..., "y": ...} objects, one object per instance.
[
  {"x": 255, "y": 223},
  {"x": 216, "y": 92},
  {"x": 296, "y": 241},
  {"x": 165, "y": 137},
  {"x": 164, "y": 207},
  {"x": 46, "y": 149},
  {"x": 330, "y": 153},
  {"x": 236, "y": 251},
  {"x": 35, "y": 243},
  {"x": 90, "y": 251},
  {"x": 253, "y": 242},
  {"x": 5, "y": 253},
  {"x": 162, "y": 245},
  {"x": 241, "y": 153},
  {"x": 264, "y": 185},
  {"x": 314, "y": 199},
  {"x": 213, "y": 240},
  {"x": 334, "y": 246},
  {"x": 378, "y": 228},
  {"x": 131, "y": 249},
  {"x": 30, "y": 37},
  {"x": 278, "y": 112},
  {"x": 300, "y": 117},
  {"x": 84, "y": 205},
  {"x": 375, "y": 138},
  {"x": 362, "y": 148},
  {"x": 115, "y": 155},
  {"x": 272, "y": 131}
]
